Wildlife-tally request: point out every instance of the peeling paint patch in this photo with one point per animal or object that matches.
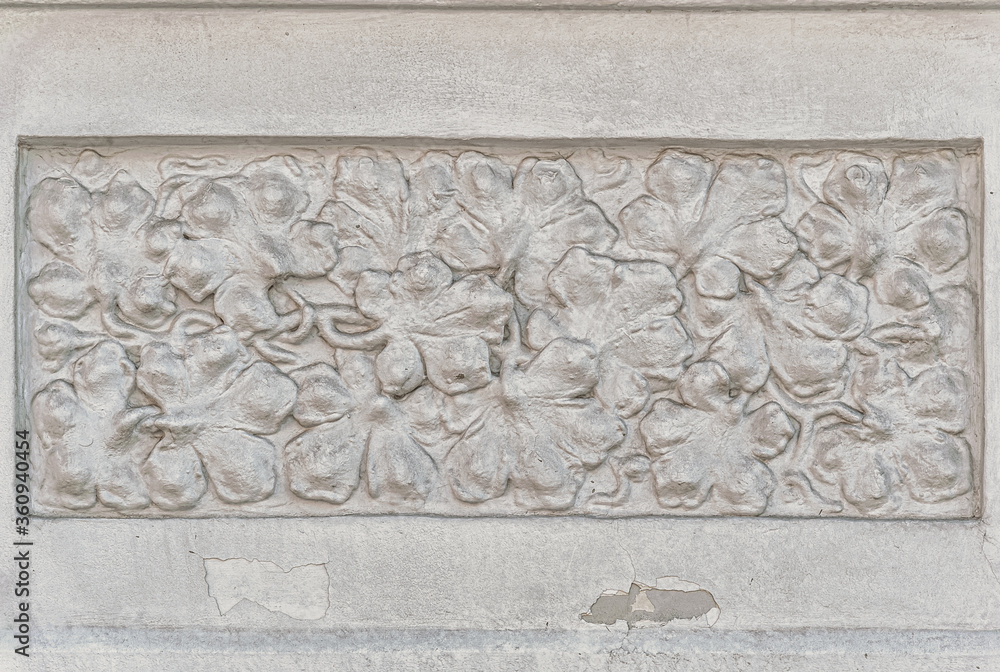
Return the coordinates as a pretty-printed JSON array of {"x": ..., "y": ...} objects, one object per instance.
[
  {"x": 672, "y": 599},
  {"x": 303, "y": 592}
]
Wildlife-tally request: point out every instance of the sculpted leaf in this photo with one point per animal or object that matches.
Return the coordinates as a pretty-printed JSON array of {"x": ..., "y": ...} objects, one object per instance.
[
  {"x": 368, "y": 210},
  {"x": 558, "y": 216}
]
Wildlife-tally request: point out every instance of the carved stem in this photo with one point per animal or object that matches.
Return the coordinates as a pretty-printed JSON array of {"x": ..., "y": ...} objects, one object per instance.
[
  {"x": 368, "y": 340},
  {"x": 807, "y": 415},
  {"x": 132, "y": 338}
]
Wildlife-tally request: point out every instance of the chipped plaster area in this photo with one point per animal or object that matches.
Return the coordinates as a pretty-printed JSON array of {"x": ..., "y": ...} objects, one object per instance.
[
  {"x": 302, "y": 592},
  {"x": 671, "y": 600}
]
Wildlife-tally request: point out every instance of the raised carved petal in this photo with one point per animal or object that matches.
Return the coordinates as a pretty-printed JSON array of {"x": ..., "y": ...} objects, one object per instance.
[
  {"x": 907, "y": 441},
  {"x": 826, "y": 236},
  {"x": 241, "y": 466},
  {"x": 398, "y": 469},
  {"x": 175, "y": 477},
  {"x": 399, "y": 367},
  {"x": 325, "y": 463},
  {"x": 923, "y": 183},
  {"x": 61, "y": 291},
  {"x": 322, "y": 395},
  {"x": 651, "y": 225},
  {"x": 93, "y": 441},
  {"x": 681, "y": 180},
  {"x": 59, "y": 217},
  {"x": 712, "y": 446},
  {"x": 938, "y": 241},
  {"x": 479, "y": 465}
]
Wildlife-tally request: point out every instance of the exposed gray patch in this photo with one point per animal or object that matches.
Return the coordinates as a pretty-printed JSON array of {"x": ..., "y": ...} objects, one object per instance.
[
  {"x": 671, "y": 600},
  {"x": 303, "y": 592}
]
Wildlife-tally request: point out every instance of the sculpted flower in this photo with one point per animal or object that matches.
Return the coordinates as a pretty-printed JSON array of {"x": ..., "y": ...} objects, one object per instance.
[
  {"x": 432, "y": 326},
  {"x": 473, "y": 211},
  {"x": 797, "y": 326},
  {"x": 92, "y": 235},
  {"x": 353, "y": 429},
  {"x": 233, "y": 237},
  {"x": 537, "y": 430},
  {"x": 902, "y": 236},
  {"x": 699, "y": 215},
  {"x": 710, "y": 449},
  {"x": 625, "y": 310},
  {"x": 558, "y": 216},
  {"x": 93, "y": 440},
  {"x": 216, "y": 401},
  {"x": 907, "y": 451},
  {"x": 752, "y": 302},
  {"x": 465, "y": 211}
]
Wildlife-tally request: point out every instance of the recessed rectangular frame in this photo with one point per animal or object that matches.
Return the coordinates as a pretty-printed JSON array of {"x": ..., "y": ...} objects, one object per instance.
[{"x": 184, "y": 163}]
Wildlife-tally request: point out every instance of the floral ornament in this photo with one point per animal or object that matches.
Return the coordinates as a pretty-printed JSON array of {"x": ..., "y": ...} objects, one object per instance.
[
  {"x": 368, "y": 213},
  {"x": 90, "y": 233},
  {"x": 353, "y": 429},
  {"x": 710, "y": 445},
  {"x": 625, "y": 310},
  {"x": 558, "y": 215},
  {"x": 465, "y": 212},
  {"x": 908, "y": 446},
  {"x": 431, "y": 326},
  {"x": 216, "y": 400},
  {"x": 234, "y": 237},
  {"x": 698, "y": 216},
  {"x": 901, "y": 235},
  {"x": 717, "y": 227},
  {"x": 472, "y": 211},
  {"x": 537, "y": 430},
  {"x": 93, "y": 440},
  {"x": 798, "y": 325}
]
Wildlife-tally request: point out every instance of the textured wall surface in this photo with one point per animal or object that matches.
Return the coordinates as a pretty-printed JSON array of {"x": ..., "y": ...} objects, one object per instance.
[{"x": 904, "y": 578}]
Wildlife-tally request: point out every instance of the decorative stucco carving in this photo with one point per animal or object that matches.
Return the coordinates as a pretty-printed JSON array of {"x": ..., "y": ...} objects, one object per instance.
[{"x": 492, "y": 331}]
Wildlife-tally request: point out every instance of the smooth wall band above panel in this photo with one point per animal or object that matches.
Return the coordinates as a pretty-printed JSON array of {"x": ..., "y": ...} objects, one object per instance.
[{"x": 486, "y": 328}]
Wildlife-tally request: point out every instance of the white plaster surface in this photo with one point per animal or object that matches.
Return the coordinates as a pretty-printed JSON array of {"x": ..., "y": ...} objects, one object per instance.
[{"x": 412, "y": 592}]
